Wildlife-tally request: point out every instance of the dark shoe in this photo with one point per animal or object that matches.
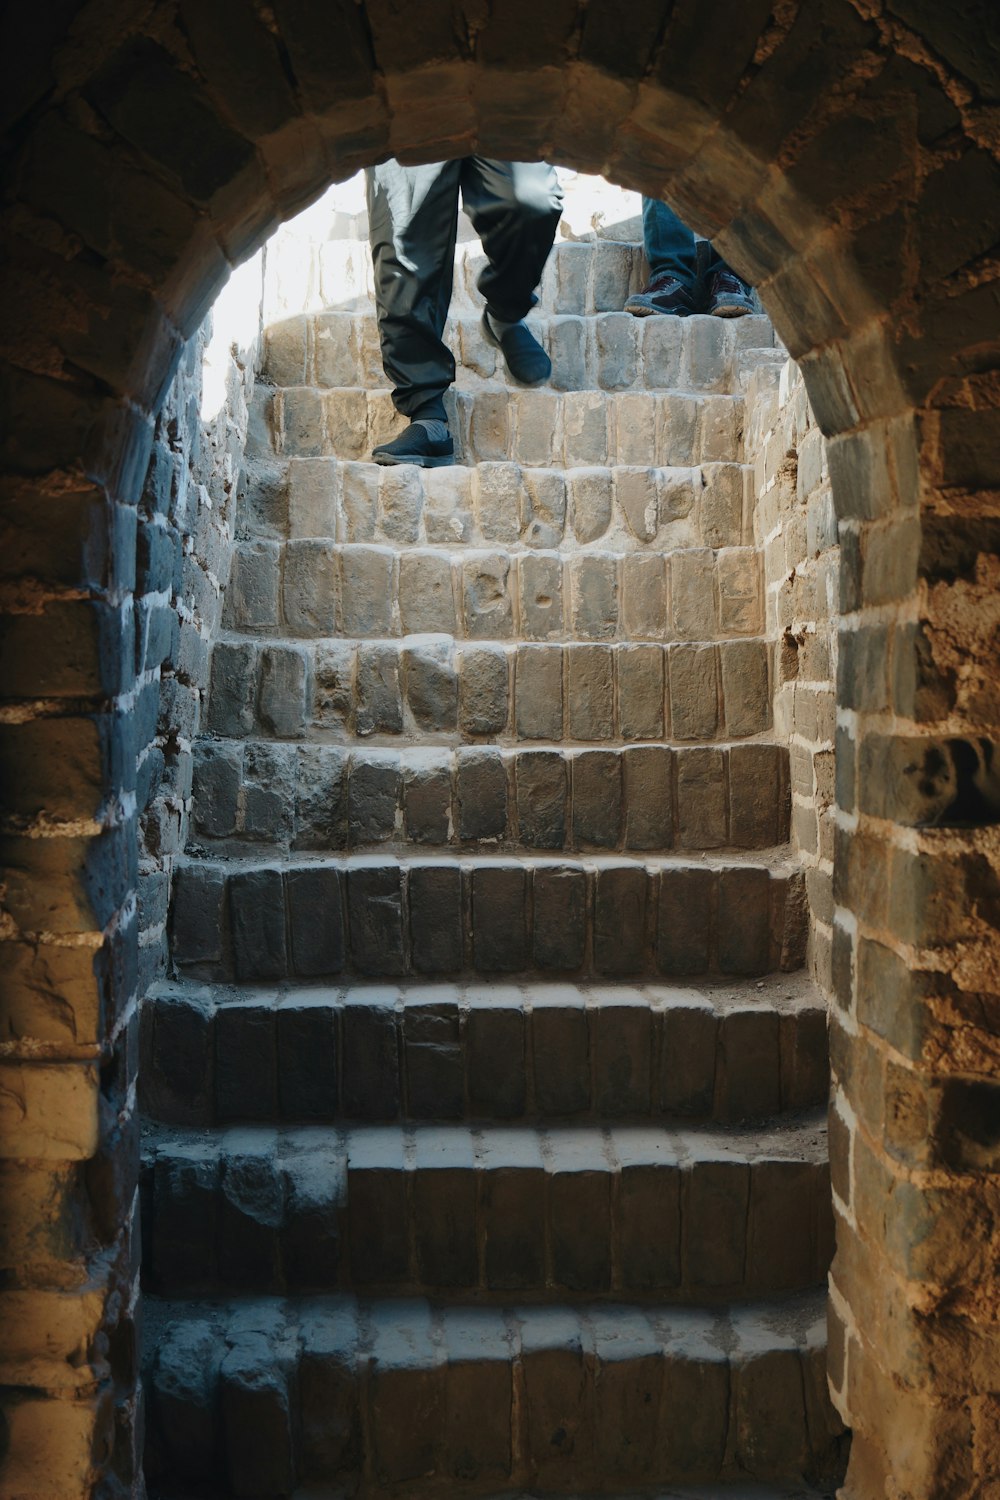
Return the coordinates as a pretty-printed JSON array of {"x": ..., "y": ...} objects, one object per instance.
[
  {"x": 526, "y": 360},
  {"x": 729, "y": 297},
  {"x": 415, "y": 446},
  {"x": 664, "y": 294}
]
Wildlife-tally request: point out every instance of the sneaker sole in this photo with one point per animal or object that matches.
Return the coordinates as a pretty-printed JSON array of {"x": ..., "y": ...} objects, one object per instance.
[
  {"x": 640, "y": 310},
  {"x": 731, "y": 310},
  {"x": 389, "y": 461}
]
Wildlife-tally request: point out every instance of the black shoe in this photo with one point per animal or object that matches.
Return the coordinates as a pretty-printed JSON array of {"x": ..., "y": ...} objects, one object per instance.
[
  {"x": 526, "y": 360},
  {"x": 415, "y": 446},
  {"x": 664, "y": 294},
  {"x": 729, "y": 297}
]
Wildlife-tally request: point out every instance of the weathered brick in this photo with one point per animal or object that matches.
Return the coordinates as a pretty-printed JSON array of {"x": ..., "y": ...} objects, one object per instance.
[
  {"x": 370, "y": 1055},
  {"x": 692, "y": 673},
  {"x": 538, "y": 696},
  {"x": 487, "y": 610},
  {"x": 481, "y": 794},
  {"x": 379, "y": 704},
  {"x": 309, "y": 588},
  {"x": 431, "y": 683},
  {"x": 540, "y": 593},
  {"x": 376, "y": 917},
  {"x": 436, "y": 926},
  {"x": 684, "y": 921},
  {"x": 499, "y": 917},
  {"x": 640, "y": 691},
  {"x": 620, "y": 899},
  {"x": 257, "y": 921},
  {"x": 701, "y": 799},
  {"x": 590, "y": 503},
  {"x": 648, "y": 797},
  {"x": 366, "y": 591},
  {"x": 644, "y": 597},
  {"x": 426, "y": 596},
  {"x": 541, "y": 788},
  {"x": 591, "y": 692},
  {"x": 483, "y": 689},
  {"x": 560, "y": 917},
  {"x": 281, "y": 704}
]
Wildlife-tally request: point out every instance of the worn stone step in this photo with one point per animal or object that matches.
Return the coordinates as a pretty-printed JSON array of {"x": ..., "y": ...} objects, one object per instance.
[
  {"x": 497, "y": 692},
  {"x": 384, "y": 916},
  {"x": 628, "y": 508},
  {"x": 610, "y": 351},
  {"x": 725, "y": 1051},
  {"x": 692, "y": 1215},
  {"x": 317, "y": 589},
  {"x": 538, "y": 427},
  {"x": 482, "y": 1400},
  {"x": 652, "y": 797}
]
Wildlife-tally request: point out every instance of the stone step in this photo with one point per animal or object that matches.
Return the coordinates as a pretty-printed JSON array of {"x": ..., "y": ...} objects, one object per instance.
[
  {"x": 484, "y": 1210},
  {"x": 610, "y": 351},
  {"x": 317, "y": 589},
  {"x": 482, "y": 1400},
  {"x": 431, "y": 690},
  {"x": 541, "y": 427},
  {"x": 653, "y": 797},
  {"x": 626, "y": 509},
  {"x": 380, "y": 917},
  {"x": 728, "y": 1051}
]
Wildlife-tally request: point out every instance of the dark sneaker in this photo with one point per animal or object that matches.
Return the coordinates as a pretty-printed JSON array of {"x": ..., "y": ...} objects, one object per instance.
[
  {"x": 729, "y": 297},
  {"x": 415, "y": 446},
  {"x": 664, "y": 294},
  {"x": 526, "y": 360}
]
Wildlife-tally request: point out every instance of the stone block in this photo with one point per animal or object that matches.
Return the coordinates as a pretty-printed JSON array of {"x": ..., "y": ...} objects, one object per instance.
[
  {"x": 370, "y": 1054},
  {"x": 486, "y": 600},
  {"x": 594, "y": 596},
  {"x": 183, "y": 1391},
  {"x": 483, "y": 690},
  {"x": 218, "y": 771},
  {"x": 300, "y": 419},
  {"x": 541, "y": 788},
  {"x": 640, "y": 692},
  {"x": 232, "y": 693},
  {"x": 320, "y": 797},
  {"x": 758, "y": 795},
  {"x": 329, "y": 1434},
  {"x": 447, "y": 506},
  {"x": 693, "y": 614},
  {"x": 499, "y": 917},
  {"x": 560, "y": 1045},
  {"x": 715, "y": 1220},
  {"x": 597, "y": 798},
  {"x": 481, "y": 794},
  {"x": 649, "y": 1217},
  {"x": 177, "y": 1085},
  {"x": 620, "y": 903},
  {"x": 310, "y": 1235},
  {"x": 435, "y": 1078},
  {"x": 257, "y": 923},
  {"x": 634, "y": 421},
  {"x": 379, "y": 703},
  {"x": 496, "y": 1078},
  {"x": 401, "y": 499},
  {"x": 558, "y": 1399},
  {"x": 316, "y": 919},
  {"x": 572, "y": 263},
  {"x": 636, "y": 492},
  {"x": 678, "y": 425},
  {"x": 478, "y": 1395},
  {"x": 308, "y": 1058},
  {"x": 512, "y": 1209},
  {"x": 738, "y": 575},
  {"x": 579, "y": 1218},
  {"x": 498, "y": 498},
  {"x": 538, "y": 695},
  {"x": 568, "y": 352},
  {"x": 745, "y": 687},
  {"x": 374, "y": 797},
  {"x": 249, "y": 1215},
  {"x": 591, "y": 692},
  {"x": 431, "y": 682},
  {"x": 585, "y": 431},
  {"x": 748, "y": 1081},
  {"x": 648, "y": 797},
  {"x": 427, "y": 799},
  {"x": 720, "y": 429},
  {"x": 426, "y": 596},
  {"x": 693, "y": 691},
  {"x": 544, "y": 501},
  {"x": 744, "y": 940},
  {"x": 701, "y": 798},
  {"x": 662, "y": 344},
  {"x": 359, "y": 501},
  {"x": 688, "y": 1059},
  {"x": 721, "y": 505},
  {"x": 378, "y": 1219},
  {"x": 268, "y": 795},
  {"x": 707, "y": 353},
  {"x": 252, "y": 595},
  {"x": 436, "y": 918},
  {"x": 333, "y": 683},
  {"x": 309, "y": 588},
  {"x": 560, "y": 910},
  {"x": 366, "y": 591},
  {"x": 246, "y": 1085},
  {"x": 444, "y": 1210},
  {"x": 376, "y": 918},
  {"x": 616, "y": 337},
  {"x": 540, "y": 592},
  {"x": 611, "y": 275},
  {"x": 489, "y": 425},
  {"x": 351, "y": 423},
  {"x": 591, "y": 503},
  {"x": 281, "y": 702},
  {"x": 535, "y": 418},
  {"x": 684, "y": 920}
]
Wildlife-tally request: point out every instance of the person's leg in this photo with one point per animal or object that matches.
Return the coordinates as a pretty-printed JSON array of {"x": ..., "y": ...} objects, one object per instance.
[
  {"x": 674, "y": 285},
  {"x": 413, "y": 220},
  {"x": 515, "y": 208}
]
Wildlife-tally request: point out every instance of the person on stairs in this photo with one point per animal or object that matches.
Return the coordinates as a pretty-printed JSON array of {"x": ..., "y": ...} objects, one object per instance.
[
  {"x": 678, "y": 285},
  {"x": 515, "y": 208}
]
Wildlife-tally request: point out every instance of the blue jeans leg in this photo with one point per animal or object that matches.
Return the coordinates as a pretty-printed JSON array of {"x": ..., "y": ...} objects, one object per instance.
[{"x": 671, "y": 247}]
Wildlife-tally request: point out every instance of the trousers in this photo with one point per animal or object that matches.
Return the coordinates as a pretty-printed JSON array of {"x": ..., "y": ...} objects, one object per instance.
[
  {"x": 515, "y": 209},
  {"x": 671, "y": 246}
]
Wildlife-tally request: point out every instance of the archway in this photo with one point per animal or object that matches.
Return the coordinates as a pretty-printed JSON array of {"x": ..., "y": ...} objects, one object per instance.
[{"x": 843, "y": 162}]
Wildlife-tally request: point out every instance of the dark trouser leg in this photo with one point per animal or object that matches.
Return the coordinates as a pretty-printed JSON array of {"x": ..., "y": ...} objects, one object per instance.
[
  {"x": 413, "y": 220},
  {"x": 515, "y": 208},
  {"x": 669, "y": 244}
]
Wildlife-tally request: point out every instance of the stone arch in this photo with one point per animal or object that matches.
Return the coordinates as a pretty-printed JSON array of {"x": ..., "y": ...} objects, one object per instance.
[{"x": 843, "y": 156}]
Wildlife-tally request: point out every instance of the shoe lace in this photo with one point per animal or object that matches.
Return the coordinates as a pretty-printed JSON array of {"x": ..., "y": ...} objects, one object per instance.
[
  {"x": 663, "y": 283},
  {"x": 728, "y": 281}
]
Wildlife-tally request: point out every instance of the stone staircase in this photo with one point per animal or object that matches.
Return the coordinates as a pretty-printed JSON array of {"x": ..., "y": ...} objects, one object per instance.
[{"x": 485, "y": 1129}]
